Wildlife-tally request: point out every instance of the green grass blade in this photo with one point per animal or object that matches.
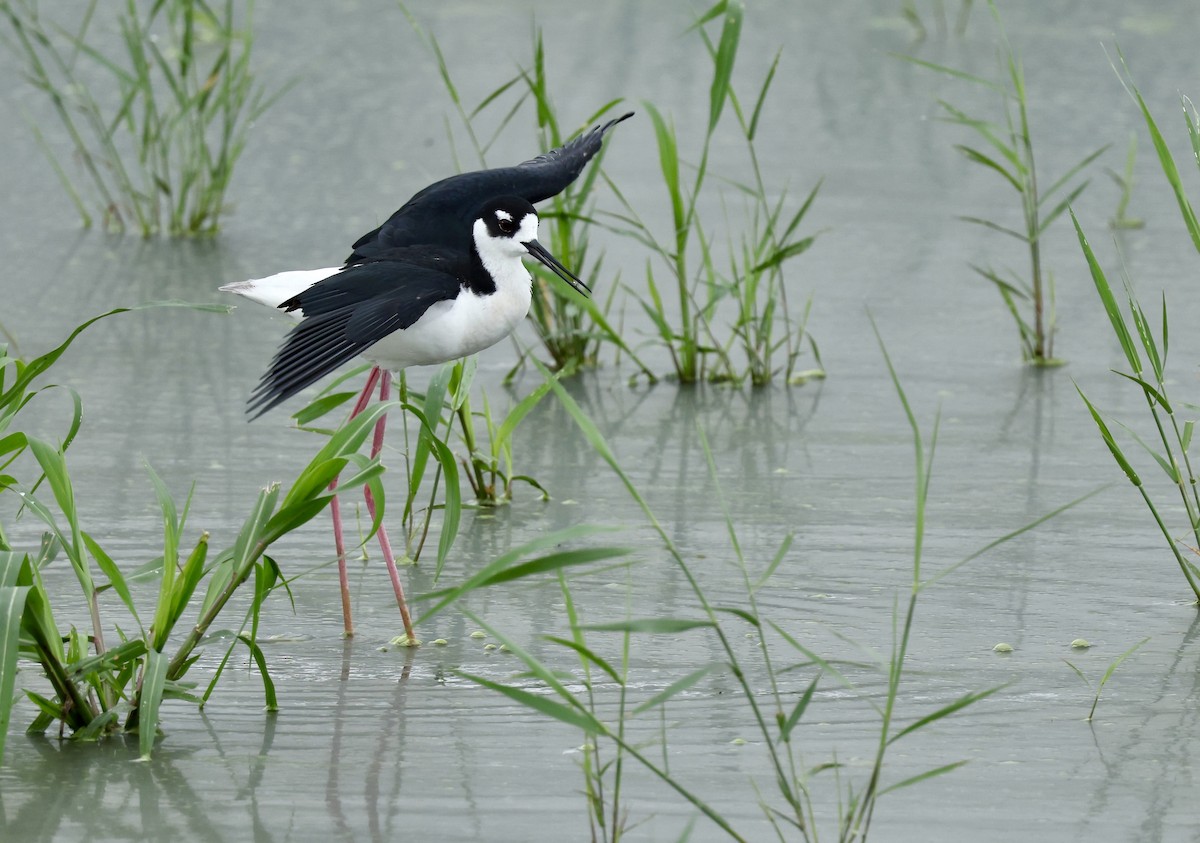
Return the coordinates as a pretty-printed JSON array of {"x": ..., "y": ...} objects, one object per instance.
[
  {"x": 1067, "y": 176},
  {"x": 271, "y": 701},
  {"x": 542, "y": 704},
  {"x": 149, "y": 699},
  {"x": 1115, "y": 449},
  {"x": 109, "y": 568},
  {"x": 1165, "y": 159},
  {"x": 789, "y": 723},
  {"x": 452, "y": 512},
  {"x": 12, "y": 604},
  {"x": 497, "y": 567},
  {"x": 723, "y": 61},
  {"x": 676, "y": 687},
  {"x": 776, "y": 561},
  {"x": 991, "y": 163},
  {"x": 928, "y": 774},
  {"x": 950, "y": 71},
  {"x": 656, "y": 626},
  {"x": 668, "y": 161},
  {"x": 583, "y": 650},
  {"x": 962, "y": 702},
  {"x": 1108, "y": 674},
  {"x": 1115, "y": 317}
]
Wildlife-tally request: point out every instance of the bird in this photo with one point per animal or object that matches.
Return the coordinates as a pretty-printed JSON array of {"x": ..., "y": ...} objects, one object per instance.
[{"x": 442, "y": 278}]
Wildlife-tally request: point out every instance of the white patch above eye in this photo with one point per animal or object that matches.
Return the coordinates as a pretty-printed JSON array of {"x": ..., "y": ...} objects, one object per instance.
[
  {"x": 503, "y": 215},
  {"x": 528, "y": 229}
]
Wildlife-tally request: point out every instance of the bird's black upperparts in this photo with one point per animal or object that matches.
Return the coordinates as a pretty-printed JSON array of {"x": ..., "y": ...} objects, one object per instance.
[{"x": 436, "y": 215}]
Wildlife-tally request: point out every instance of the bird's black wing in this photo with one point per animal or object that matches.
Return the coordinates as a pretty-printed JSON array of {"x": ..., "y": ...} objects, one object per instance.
[
  {"x": 349, "y": 312},
  {"x": 434, "y": 215}
]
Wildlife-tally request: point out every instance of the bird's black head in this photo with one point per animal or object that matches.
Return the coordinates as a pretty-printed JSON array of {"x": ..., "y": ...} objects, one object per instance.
[
  {"x": 511, "y": 219},
  {"x": 505, "y": 216}
]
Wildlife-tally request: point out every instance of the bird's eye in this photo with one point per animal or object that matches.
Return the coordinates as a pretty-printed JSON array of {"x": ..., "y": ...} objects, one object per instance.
[{"x": 507, "y": 226}]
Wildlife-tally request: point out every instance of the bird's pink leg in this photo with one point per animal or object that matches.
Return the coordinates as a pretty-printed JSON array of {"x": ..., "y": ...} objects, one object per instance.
[
  {"x": 385, "y": 545},
  {"x": 339, "y": 542}
]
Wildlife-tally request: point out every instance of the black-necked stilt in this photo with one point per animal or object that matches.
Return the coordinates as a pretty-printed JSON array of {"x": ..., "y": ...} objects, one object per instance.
[{"x": 440, "y": 280}]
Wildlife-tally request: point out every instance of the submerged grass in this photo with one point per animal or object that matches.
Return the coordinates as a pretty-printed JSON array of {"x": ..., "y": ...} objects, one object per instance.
[
  {"x": 160, "y": 154},
  {"x": 776, "y": 711},
  {"x": 1008, "y": 151},
  {"x": 98, "y": 685}
]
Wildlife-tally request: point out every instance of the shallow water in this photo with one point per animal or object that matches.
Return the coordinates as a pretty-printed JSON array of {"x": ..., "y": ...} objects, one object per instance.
[{"x": 380, "y": 744}]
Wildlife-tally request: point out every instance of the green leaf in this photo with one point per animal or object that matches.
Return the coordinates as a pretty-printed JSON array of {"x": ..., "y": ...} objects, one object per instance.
[
  {"x": 583, "y": 650},
  {"x": 928, "y": 774},
  {"x": 322, "y": 406},
  {"x": 668, "y": 160},
  {"x": 12, "y": 604},
  {"x": 1165, "y": 159},
  {"x": 950, "y": 71},
  {"x": 506, "y": 567},
  {"x": 962, "y": 702},
  {"x": 149, "y": 698},
  {"x": 1113, "y": 448},
  {"x": 723, "y": 61},
  {"x": 656, "y": 626},
  {"x": 109, "y": 568},
  {"x": 986, "y": 161},
  {"x": 786, "y": 727},
  {"x": 1115, "y": 317},
  {"x": 676, "y": 687},
  {"x": 271, "y": 701},
  {"x": 542, "y": 704},
  {"x": 791, "y": 250},
  {"x": 784, "y": 547}
]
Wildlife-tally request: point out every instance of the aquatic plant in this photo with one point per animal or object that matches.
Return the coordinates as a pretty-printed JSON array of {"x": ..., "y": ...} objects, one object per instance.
[
  {"x": 1112, "y": 668},
  {"x": 424, "y": 411},
  {"x": 912, "y": 15},
  {"x": 1030, "y": 301},
  {"x": 446, "y": 446},
  {"x": 101, "y": 686},
  {"x": 157, "y": 153},
  {"x": 489, "y": 469},
  {"x": 1124, "y": 182},
  {"x": 769, "y": 338},
  {"x": 1171, "y": 450},
  {"x": 776, "y": 709}
]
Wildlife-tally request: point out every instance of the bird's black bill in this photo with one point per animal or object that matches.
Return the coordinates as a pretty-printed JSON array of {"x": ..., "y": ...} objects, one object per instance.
[{"x": 539, "y": 251}]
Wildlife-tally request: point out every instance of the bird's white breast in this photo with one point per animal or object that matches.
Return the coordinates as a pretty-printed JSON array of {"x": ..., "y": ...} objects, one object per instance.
[{"x": 462, "y": 326}]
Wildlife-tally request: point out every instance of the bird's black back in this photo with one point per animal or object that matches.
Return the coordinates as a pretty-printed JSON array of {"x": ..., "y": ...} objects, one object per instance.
[{"x": 441, "y": 213}]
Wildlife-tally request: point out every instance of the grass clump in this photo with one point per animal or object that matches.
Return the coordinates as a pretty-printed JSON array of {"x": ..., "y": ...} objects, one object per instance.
[
  {"x": 453, "y": 455},
  {"x": 106, "y": 678},
  {"x": 157, "y": 154},
  {"x": 1170, "y": 443},
  {"x": 1007, "y": 150},
  {"x": 767, "y": 338}
]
